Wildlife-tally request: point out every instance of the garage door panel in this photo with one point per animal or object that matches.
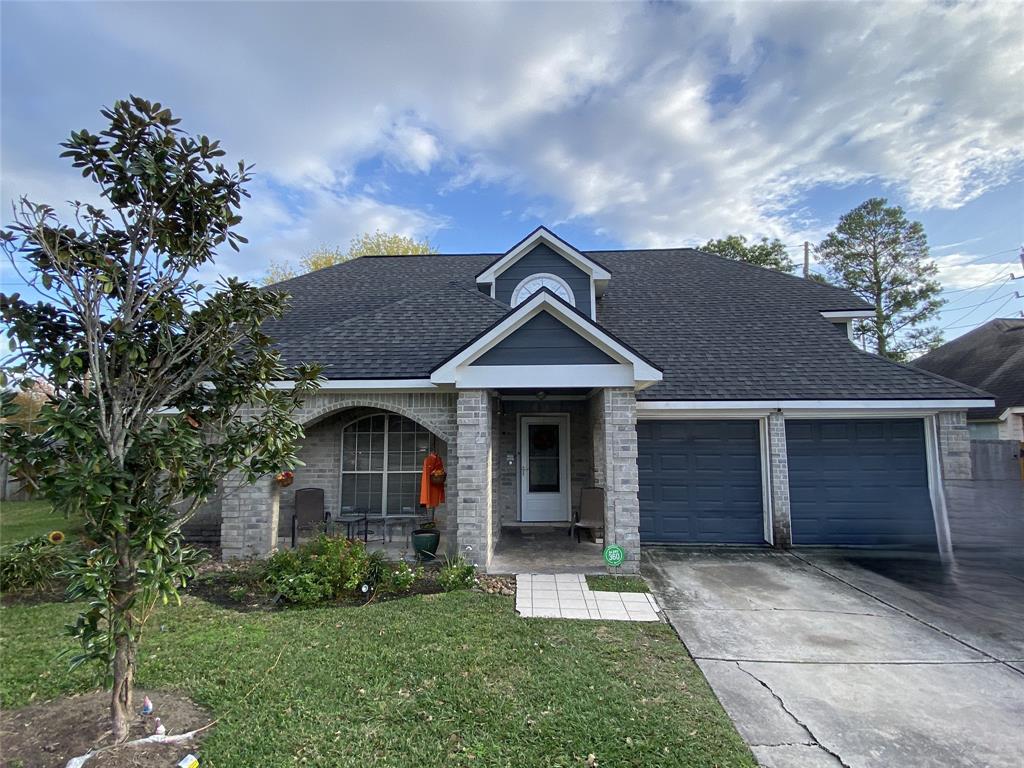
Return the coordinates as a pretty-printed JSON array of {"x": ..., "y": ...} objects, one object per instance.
[
  {"x": 859, "y": 482},
  {"x": 704, "y": 479}
]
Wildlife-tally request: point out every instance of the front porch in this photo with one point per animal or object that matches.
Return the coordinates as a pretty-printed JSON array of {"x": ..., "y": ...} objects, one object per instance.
[
  {"x": 544, "y": 549},
  {"x": 516, "y": 459}
]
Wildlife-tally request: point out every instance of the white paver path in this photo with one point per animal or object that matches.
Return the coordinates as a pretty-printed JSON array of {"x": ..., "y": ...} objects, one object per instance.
[{"x": 567, "y": 596}]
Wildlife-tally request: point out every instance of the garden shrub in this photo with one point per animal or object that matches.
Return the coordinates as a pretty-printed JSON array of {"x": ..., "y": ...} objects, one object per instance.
[
  {"x": 34, "y": 563},
  {"x": 456, "y": 574},
  {"x": 329, "y": 568}
]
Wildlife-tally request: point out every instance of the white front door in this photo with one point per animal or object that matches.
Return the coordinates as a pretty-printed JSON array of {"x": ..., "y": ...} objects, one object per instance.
[{"x": 544, "y": 469}]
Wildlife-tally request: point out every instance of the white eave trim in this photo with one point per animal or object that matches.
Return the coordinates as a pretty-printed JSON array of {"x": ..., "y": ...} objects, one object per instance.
[
  {"x": 557, "y": 244},
  {"x": 652, "y": 409},
  {"x": 847, "y": 314},
  {"x": 368, "y": 385},
  {"x": 457, "y": 369}
]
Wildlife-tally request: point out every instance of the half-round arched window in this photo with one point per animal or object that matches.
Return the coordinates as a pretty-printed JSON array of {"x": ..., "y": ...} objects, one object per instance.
[
  {"x": 530, "y": 285},
  {"x": 381, "y": 461}
]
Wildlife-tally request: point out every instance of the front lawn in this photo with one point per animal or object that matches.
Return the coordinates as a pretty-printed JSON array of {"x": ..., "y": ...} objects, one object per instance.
[
  {"x": 20, "y": 520},
  {"x": 432, "y": 680}
]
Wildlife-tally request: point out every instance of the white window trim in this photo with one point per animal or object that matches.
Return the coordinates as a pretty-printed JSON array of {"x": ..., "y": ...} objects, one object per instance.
[
  {"x": 458, "y": 369},
  {"x": 384, "y": 471},
  {"x": 546, "y": 276}
]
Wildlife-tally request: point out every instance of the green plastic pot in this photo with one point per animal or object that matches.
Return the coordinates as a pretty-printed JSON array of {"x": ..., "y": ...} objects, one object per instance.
[{"x": 425, "y": 541}]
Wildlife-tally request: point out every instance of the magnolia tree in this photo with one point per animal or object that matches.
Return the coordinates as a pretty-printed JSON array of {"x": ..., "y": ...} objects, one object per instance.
[{"x": 161, "y": 385}]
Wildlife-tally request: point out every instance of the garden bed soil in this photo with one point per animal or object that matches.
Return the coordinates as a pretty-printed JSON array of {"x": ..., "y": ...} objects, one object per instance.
[{"x": 48, "y": 735}]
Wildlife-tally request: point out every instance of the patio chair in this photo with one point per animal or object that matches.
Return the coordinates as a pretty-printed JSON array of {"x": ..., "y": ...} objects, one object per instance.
[
  {"x": 591, "y": 514},
  {"x": 309, "y": 511}
]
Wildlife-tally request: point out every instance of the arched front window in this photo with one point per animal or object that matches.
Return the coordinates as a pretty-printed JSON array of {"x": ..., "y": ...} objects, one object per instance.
[{"x": 381, "y": 461}]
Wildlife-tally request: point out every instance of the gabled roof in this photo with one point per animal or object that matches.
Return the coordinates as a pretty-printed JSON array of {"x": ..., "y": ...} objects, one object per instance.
[
  {"x": 718, "y": 329},
  {"x": 991, "y": 357},
  {"x": 544, "y": 235},
  {"x": 642, "y": 371}
]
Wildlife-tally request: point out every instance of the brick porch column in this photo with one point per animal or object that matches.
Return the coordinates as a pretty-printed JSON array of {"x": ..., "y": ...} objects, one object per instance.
[
  {"x": 955, "y": 446},
  {"x": 615, "y": 427},
  {"x": 249, "y": 516},
  {"x": 778, "y": 478},
  {"x": 474, "y": 500}
]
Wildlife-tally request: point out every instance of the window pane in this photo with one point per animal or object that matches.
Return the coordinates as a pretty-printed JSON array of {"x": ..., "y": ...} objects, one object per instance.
[
  {"x": 348, "y": 450},
  {"x": 403, "y": 493},
  {"x": 544, "y": 476}
]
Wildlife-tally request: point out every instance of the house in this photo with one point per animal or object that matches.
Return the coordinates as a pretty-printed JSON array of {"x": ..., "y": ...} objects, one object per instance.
[
  {"x": 715, "y": 402},
  {"x": 991, "y": 357}
]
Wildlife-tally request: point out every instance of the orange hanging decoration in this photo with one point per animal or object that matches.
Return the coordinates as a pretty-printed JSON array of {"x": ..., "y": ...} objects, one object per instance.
[{"x": 432, "y": 481}]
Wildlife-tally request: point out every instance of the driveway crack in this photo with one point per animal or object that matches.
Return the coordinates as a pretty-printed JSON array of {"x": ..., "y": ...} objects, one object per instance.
[{"x": 813, "y": 739}]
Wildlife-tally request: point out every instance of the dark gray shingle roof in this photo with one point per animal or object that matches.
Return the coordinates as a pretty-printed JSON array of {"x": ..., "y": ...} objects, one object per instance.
[
  {"x": 719, "y": 329},
  {"x": 991, "y": 357}
]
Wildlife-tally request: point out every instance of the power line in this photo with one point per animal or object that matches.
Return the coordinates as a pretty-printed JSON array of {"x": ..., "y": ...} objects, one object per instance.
[
  {"x": 975, "y": 325},
  {"x": 1016, "y": 294},
  {"x": 1002, "y": 273},
  {"x": 987, "y": 299}
]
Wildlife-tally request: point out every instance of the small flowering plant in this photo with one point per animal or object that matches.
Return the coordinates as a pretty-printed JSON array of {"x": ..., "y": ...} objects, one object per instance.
[
  {"x": 56, "y": 537},
  {"x": 284, "y": 479}
]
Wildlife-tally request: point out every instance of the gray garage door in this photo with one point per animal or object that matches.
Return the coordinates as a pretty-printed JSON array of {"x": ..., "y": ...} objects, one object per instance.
[
  {"x": 700, "y": 482},
  {"x": 859, "y": 482}
]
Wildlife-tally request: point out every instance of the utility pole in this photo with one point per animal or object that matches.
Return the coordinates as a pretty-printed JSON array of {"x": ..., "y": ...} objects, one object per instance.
[{"x": 807, "y": 259}]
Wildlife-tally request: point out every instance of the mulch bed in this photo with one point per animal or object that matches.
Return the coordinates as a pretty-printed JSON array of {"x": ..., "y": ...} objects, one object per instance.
[{"x": 48, "y": 735}]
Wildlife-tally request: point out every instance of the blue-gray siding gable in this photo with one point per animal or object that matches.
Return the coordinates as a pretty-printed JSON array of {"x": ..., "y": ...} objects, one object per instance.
[
  {"x": 543, "y": 259},
  {"x": 544, "y": 340}
]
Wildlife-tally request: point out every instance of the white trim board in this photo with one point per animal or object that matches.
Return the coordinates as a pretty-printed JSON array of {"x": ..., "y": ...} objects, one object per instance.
[
  {"x": 690, "y": 408},
  {"x": 630, "y": 369},
  {"x": 366, "y": 385},
  {"x": 555, "y": 243},
  {"x": 847, "y": 314}
]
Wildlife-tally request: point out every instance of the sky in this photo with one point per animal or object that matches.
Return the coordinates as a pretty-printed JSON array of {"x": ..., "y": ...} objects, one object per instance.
[{"x": 616, "y": 125}]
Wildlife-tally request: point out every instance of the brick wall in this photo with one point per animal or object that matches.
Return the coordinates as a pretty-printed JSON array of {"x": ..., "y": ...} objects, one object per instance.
[
  {"x": 474, "y": 503},
  {"x": 954, "y": 445},
  {"x": 617, "y": 425},
  {"x": 778, "y": 478},
  {"x": 252, "y": 515}
]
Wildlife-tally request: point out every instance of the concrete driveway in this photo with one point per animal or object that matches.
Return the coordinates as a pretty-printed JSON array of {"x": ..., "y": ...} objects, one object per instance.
[{"x": 826, "y": 660}]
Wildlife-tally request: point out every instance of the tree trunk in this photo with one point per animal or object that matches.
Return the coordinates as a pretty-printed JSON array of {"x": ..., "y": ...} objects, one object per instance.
[
  {"x": 122, "y": 624},
  {"x": 123, "y": 670}
]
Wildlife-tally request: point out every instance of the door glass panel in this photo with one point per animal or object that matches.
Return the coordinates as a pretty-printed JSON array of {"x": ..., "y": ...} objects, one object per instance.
[{"x": 544, "y": 476}]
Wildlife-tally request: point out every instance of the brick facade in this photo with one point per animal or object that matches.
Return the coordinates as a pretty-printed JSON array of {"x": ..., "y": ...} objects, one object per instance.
[
  {"x": 614, "y": 427},
  {"x": 954, "y": 445},
  {"x": 475, "y": 497},
  {"x": 778, "y": 479},
  {"x": 252, "y": 515}
]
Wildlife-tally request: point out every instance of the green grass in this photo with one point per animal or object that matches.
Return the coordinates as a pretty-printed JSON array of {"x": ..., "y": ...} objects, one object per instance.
[
  {"x": 617, "y": 584},
  {"x": 434, "y": 680},
  {"x": 23, "y": 519}
]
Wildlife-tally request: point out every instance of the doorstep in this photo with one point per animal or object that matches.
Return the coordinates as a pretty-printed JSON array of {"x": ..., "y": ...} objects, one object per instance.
[{"x": 567, "y": 596}]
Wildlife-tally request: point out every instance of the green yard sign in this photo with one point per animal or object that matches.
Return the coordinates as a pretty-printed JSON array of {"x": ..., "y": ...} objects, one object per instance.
[{"x": 614, "y": 555}]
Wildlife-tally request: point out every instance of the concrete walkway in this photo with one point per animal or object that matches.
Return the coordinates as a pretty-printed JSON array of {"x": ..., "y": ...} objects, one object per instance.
[
  {"x": 568, "y": 596},
  {"x": 823, "y": 660}
]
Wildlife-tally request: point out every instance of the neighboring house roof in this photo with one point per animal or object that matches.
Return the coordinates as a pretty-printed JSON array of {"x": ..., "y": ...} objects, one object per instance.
[
  {"x": 991, "y": 357},
  {"x": 718, "y": 329}
]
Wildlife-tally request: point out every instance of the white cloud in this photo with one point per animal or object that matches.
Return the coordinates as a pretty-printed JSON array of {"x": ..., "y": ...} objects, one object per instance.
[
  {"x": 661, "y": 124},
  {"x": 956, "y": 272}
]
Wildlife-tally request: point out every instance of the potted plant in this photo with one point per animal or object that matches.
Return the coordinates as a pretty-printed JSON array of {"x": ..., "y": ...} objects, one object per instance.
[{"x": 425, "y": 540}]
